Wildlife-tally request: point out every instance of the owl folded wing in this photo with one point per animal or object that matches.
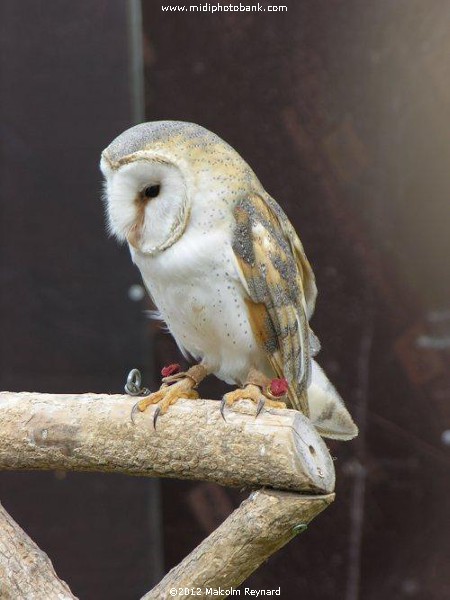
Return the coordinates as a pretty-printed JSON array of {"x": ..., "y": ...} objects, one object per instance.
[
  {"x": 280, "y": 284},
  {"x": 281, "y": 295}
]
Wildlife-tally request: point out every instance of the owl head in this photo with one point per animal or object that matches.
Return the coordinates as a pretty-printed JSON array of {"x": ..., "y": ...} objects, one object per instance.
[{"x": 156, "y": 174}]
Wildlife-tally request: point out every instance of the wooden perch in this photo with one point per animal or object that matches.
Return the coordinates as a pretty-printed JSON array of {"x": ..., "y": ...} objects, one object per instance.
[
  {"x": 26, "y": 571},
  {"x": 261, "y": 525},
  {"x": 93, "y": 432}
]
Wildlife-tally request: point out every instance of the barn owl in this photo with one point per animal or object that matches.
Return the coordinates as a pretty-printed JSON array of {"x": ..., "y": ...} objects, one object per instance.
[{"x": 225, "y": 269}]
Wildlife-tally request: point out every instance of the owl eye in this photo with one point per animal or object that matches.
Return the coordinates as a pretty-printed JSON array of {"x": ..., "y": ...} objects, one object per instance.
[{"x": 152, "y": 191}]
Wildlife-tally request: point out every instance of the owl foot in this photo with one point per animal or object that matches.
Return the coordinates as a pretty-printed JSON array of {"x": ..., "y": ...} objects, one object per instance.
[
  {"x": 249, "y": 392},
  {"x": 175, "y": 386},
  {"x": 164, "y": 397}
]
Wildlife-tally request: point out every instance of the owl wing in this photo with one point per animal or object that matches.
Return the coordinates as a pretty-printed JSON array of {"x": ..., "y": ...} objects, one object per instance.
[{"x": 281, "y": 290}]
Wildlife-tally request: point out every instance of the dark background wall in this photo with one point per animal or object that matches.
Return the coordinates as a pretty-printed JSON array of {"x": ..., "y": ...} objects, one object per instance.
[{"x": 342, "y": 109}]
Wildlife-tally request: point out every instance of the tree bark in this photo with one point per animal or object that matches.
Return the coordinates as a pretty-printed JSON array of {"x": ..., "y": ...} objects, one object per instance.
[
  {"x": 94, "y": 432},
  {"x": 263, "y": 523},
  {"x": 26, "y": 572}
]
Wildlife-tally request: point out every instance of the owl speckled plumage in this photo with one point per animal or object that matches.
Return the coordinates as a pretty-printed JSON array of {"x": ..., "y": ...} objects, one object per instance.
[{"x": 223, "y": 265}]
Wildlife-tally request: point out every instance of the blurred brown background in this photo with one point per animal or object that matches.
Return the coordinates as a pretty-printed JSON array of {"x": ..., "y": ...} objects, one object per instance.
[{"x": 342, "y": 108}]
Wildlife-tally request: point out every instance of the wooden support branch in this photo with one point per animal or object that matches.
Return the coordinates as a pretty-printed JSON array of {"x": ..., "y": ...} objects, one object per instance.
[
  {"x": 263, "y": 523},
  {"x": 93, "y": 432},
  {"x": 25, "y": 570}
]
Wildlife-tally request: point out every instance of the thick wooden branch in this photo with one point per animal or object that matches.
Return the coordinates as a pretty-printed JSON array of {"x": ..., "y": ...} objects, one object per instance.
[
  {"x": 25, "y": 570},
  {"x": 93, "y": 432},
  {"x": 279, "y": 449},
  {"x": 263, "y": 523}
]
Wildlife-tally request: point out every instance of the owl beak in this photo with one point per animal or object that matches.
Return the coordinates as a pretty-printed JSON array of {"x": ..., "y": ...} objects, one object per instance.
[{"x": 134, "y": 236}]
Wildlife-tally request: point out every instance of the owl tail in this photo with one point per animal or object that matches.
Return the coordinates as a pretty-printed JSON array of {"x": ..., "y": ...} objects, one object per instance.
[{"x": 327, "y": 409}]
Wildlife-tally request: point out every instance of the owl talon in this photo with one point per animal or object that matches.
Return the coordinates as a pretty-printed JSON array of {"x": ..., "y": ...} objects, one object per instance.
[
  {"x": 223, "y": 405},
  {"x": 155, "y": 416},
  {"x": 134, "y": 410},
  {"x": 260, "y": 406}
]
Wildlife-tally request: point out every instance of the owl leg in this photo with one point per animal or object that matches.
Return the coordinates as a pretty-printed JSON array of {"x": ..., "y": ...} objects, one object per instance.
[
  {"x": 259, "y": 389},
  {"x": 174, "y": 387}
]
